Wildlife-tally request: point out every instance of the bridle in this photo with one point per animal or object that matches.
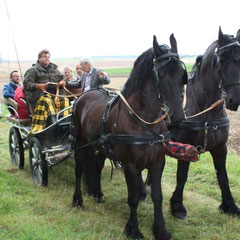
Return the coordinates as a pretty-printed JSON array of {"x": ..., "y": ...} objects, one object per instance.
[
  {"x": 218, "y": 52},
  {"x": 159, "y": 62}
]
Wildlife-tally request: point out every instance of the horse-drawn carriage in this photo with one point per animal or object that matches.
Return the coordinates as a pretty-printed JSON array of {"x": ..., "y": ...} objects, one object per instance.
[
  {"x": 156, "y": 80},
  {"x": 46, "y": 148}
]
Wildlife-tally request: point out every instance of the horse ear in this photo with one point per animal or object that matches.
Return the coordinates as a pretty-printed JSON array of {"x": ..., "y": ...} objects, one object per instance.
[
  {"x": 156, "y": 47},
  {"x": 221, "y": 38},
  {"x": 238, "y": 35},
  {"x": 173, "y": 43}
]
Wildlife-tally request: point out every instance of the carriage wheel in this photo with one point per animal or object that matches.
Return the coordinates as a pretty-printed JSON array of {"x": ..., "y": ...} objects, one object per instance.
[
  {"x": 38, "y": 164},
  {"x": 16, "y": 148}
]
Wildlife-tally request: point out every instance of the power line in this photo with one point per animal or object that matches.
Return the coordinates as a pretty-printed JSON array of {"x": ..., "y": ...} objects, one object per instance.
[{"x": 14, "y": 42}]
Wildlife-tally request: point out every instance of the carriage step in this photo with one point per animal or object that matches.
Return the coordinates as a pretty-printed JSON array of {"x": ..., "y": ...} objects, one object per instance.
[{"x": 58, "y": 157}]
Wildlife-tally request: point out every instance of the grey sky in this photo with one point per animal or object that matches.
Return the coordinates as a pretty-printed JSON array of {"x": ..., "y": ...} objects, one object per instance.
[{"x": 108, "y": 27}]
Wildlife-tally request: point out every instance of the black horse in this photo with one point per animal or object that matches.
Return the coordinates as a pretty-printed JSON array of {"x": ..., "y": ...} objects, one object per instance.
[
  {"x": 119, "y": 131},
  {"x": 217, "y": 75}
]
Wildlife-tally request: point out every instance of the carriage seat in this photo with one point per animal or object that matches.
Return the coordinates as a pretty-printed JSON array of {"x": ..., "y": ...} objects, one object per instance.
[{"x": 15, "y": 115}]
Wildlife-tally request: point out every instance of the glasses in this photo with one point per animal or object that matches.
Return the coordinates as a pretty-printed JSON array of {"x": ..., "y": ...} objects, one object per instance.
[{"x": 78, "y": 68}]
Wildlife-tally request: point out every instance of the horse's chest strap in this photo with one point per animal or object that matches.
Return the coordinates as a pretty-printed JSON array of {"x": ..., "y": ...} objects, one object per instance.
[
  {"x": 126, "y": 139},
  {"x": 201, "y": 125}
]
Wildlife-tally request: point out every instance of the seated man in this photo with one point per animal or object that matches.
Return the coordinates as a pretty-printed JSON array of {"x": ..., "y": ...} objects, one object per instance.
[
  {"x": 9, "y": 88},
  {"x": 91, "y": 78},
  {"x": 36, "y": 80}
]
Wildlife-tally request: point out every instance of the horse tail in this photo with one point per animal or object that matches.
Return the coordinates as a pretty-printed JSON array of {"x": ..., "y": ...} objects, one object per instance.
[{"x": 93, "y": 165}]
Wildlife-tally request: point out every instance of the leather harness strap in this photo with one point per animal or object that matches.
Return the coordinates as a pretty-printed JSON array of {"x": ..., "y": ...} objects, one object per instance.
[
  {"x": 208, "y": 109},
  {"x": 149, "y": 123},
  {"x": 201, "y": 125}
]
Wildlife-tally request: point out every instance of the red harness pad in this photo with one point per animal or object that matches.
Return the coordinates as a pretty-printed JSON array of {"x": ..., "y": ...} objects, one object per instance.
[{"x": 184, "y": 152}]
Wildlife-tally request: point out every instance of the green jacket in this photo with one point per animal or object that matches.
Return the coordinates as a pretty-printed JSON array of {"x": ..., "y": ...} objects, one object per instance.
[{"x": 38, "y": 74}]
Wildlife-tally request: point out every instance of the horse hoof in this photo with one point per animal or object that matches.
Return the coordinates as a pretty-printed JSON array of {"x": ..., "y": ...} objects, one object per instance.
[
  {"x": 181, "y": 216},
  {"x": 179, "y": 211},
  {"x": 100, "y": 199},
  {"x": 77, "y": 204},
  {"x": 162, "y": 234},
  {"x": 234, "y": 210},
  {"x": 133, "y": 232}
]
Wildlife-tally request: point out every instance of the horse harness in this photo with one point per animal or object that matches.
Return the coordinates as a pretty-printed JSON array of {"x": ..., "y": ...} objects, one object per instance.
[{"x": 107, "y": 139}]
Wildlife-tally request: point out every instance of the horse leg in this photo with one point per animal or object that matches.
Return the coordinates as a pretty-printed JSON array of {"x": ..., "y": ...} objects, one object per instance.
[
  {"x": 89, "y": 173},
  {"x": 98, "y": 195},
  {"x": 228, "y": 204},
  {"x": 141, "y": 189},
  {"x": 159, "y": 230},
  {"x": 131, "y": 228},
  {"x": 177, "y": 208},
  {"x": 79, "y": 165}
]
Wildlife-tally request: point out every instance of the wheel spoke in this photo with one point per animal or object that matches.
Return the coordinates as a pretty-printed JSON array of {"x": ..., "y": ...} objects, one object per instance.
[
  {"x": 40, "y": 169},
  {"x": 13, "y": 139},
  {"x": 34, "y": 161},
  {"x": 34, "y": 151},
  {"x": 17, "y": 158},
  {"x": 37, "y": 175}
]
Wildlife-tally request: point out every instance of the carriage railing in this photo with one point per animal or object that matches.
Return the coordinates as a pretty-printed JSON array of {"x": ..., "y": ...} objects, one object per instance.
[{"x": 61, "y": 111}]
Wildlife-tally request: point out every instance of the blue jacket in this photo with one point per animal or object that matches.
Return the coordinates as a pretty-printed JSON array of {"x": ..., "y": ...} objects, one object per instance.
[{"x": 9, "y": 89}]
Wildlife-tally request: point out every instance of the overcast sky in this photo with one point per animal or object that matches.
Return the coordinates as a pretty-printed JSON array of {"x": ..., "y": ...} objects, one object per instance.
[{"x": 75, "y": 28}]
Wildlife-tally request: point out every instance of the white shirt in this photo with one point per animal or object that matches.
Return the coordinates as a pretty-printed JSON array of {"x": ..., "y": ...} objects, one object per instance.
[{"x": 88, "y": 81}]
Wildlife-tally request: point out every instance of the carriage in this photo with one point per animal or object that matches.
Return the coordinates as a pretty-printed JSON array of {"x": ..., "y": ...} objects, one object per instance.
[{"x": 46, "y": 148}]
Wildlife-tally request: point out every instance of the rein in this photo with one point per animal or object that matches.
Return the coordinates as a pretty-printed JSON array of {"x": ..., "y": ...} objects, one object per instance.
[
  {"x": 158, "y": 120},
  {"x": 57, "y": 92},
  {"x": 218, "y": 102}
]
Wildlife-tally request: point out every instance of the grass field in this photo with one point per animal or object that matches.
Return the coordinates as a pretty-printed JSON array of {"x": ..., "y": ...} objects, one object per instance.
[{"x": 28, "y": 212}]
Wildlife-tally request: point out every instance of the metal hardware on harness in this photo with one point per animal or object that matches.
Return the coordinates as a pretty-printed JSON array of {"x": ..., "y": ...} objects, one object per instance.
[{"x": 201, "y": 149}]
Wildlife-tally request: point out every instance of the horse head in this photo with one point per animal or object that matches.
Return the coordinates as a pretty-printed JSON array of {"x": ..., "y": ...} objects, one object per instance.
[
  {"x": 171, "y": 75},
  {"x": 228, "y": 68}
]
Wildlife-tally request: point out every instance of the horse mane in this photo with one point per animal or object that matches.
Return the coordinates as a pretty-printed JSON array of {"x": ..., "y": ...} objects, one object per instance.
[
  {"x": 197, "y": 63},
  {"x": 142, "y": 70}
]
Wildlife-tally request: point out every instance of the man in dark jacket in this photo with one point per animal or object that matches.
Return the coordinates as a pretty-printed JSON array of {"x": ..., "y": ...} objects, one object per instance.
[
  {"x": 9, "y": 88},
  {"x": 37, "y": 80}
]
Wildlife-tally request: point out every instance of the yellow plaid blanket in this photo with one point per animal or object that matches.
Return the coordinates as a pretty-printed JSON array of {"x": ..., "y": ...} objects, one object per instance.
[{"x": 47, "y": 106}]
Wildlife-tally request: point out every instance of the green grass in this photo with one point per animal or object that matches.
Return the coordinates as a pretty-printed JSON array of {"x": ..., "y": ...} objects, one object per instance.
[
  {"x": 113, "y": 71},
  {"x": 28, "y": 212}
]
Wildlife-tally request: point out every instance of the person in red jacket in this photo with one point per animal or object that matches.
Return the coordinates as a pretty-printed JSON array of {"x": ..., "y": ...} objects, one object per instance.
[{"x": 22, "y": 107}]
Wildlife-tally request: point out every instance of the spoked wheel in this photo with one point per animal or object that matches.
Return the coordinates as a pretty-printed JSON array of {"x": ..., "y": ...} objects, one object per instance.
[
  {"x": 38, "y": 163},
  {"x": 16, "y": 148}
]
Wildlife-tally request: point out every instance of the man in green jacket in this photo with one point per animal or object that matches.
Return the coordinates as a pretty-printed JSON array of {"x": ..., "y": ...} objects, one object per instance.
[{"x": 37, "y": 80}]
